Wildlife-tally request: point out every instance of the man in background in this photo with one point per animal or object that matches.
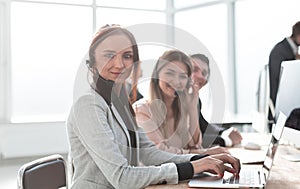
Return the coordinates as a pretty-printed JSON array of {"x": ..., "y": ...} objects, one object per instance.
[
  {"x": 287, "y": 49},
  {"x": 212, "y": 134}
]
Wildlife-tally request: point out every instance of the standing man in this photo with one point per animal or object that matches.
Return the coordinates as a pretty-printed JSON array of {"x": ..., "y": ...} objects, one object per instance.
[
  {"x": 212, "y": 133},
  {"x": 287, "y": 49}
]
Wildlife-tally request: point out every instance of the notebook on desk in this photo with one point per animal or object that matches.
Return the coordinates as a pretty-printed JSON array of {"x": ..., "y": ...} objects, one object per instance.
[{"x": 247, "y": 177}]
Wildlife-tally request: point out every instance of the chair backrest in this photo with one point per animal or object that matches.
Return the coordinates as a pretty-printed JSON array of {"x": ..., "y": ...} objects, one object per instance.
[{"x": 44, "y": 173}]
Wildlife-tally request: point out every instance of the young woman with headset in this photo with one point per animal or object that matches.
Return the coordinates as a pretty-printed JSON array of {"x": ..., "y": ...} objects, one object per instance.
[{"x": 107, "y": 148}]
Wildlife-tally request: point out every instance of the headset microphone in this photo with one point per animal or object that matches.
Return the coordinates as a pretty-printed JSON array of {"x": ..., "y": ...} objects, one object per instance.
[{"x": 190, "y": 90}]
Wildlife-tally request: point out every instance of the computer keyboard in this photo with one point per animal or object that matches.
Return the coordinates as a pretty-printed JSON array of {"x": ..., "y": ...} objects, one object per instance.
[{"x": 246, "y": 177}]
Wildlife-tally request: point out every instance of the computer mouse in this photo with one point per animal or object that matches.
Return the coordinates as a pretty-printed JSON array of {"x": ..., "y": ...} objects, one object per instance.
[{"x": 252, "y": 146}]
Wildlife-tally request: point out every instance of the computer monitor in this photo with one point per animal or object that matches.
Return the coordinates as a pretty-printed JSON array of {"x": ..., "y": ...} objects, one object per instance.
[{"x": 288, "y": 97}]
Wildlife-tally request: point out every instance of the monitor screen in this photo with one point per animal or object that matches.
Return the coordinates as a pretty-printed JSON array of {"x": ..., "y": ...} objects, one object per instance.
[
  {"x": 288, "y": 99},
  {"x": 288, "y": 96}
]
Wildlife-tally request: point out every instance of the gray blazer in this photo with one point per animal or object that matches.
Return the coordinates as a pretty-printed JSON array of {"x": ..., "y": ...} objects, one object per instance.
[{"x": 100, "y": 149}]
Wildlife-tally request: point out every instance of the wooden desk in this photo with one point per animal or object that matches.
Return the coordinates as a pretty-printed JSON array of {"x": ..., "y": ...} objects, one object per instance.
[{"x": 284, "y": 174}]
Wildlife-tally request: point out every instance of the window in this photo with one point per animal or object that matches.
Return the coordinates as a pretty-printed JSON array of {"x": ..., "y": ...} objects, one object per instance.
[
  {"x": 79, "y": 2},
  {"x": 190, "y": 3},
  {"x": 137, "y": 4},
  {"x": 48, "y": 42},
  {"x": 256, "y": 34},
  {"x": 209, "y": 25},
  {"x": 128, "y": 17},
  {"x": 3, "y": 61}
]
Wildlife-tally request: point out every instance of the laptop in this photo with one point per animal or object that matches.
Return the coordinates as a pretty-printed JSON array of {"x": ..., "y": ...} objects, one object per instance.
[{"x": 248, "y": 177}]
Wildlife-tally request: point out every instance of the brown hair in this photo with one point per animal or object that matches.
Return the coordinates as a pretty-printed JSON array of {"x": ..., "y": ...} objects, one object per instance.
[
  {"x": 100, "y": 36},
  {"x": 155, "y": 91}
]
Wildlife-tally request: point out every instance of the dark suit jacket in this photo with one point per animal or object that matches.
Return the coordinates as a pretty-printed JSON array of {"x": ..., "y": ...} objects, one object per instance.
[
  {"x": 282, "y": 51},
  {"x": 211, "y": 133}
]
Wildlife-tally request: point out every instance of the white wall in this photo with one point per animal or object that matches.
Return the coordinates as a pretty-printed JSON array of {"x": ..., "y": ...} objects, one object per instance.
[{"x": 32, "y": 139}]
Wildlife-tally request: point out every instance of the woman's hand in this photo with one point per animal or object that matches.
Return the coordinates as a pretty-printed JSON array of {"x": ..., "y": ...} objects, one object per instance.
[
  {"x": 190, "y": 101},
  {"x": 235, "y": 136},
  {"x": 192, "y": 96},
  {"x": 216, "y": 164},
  {"x": 233, "y": 161}
]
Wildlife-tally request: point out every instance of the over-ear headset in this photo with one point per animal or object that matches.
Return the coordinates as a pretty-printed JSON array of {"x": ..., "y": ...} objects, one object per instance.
[
  {"x": 91, "y": 62},
  {"x": 88, "y": 63}
]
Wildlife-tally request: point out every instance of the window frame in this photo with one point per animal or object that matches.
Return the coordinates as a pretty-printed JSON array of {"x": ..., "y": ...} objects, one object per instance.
[{"x": 5, "y": 71}]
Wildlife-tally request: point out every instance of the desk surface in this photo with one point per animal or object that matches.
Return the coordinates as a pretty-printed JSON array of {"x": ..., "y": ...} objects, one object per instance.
[{"x": 284, "y": 173}]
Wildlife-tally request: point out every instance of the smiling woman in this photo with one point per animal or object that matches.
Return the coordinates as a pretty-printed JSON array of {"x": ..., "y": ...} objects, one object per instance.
[
  {"x": 169, "y": 116},
  {"x": 173, "y": 79},
  {"x": 114, "y": 58}
]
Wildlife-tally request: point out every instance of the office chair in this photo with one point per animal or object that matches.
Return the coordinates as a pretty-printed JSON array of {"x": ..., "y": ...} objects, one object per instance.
[{"x": 44, "y": 173}]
